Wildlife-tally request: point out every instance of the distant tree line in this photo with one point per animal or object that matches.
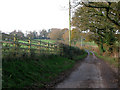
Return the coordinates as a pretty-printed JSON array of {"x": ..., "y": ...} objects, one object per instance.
[
  {"x": 54, "y": 34},
  {"x": 20, "y": 35}
]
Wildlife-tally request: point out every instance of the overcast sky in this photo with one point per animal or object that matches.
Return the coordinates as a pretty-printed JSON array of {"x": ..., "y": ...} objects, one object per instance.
[{"x": 33, "y": 14}]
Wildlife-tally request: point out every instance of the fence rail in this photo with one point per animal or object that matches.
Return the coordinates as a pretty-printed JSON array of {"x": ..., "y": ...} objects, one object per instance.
[{"x": 40, "y": 47}]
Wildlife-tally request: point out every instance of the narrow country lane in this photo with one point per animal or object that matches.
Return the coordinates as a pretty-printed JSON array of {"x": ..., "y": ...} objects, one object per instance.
[{"x": 92, "y": 73}]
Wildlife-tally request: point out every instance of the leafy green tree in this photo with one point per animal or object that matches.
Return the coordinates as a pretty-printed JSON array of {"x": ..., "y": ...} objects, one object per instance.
[
  {"x": 95, "y": 19},
  {"x": 111, "y": 10},
  {"x": 19, "y": 34},
  {"x": 35, "y": 34},
  {"x": 43, "y": 34}
]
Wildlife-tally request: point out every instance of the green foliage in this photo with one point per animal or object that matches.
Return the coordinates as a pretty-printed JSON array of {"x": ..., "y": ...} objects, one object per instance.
[
  {"x": 43, "y": 34},
  {"x": 34, "y": 41},
  {"x": 44, "y": 40},
  {"x": 91, "y": 53},
  {"x": 30, "y": 71},
  {"x": 99, "y": 23},
  {"x": 72, "y": 52},
  {"x": 26, "y": 68},
  {"x": 23, "y": 69},
  {"x": 111, "y": 61},
  {"x": 87, "y": 43}
]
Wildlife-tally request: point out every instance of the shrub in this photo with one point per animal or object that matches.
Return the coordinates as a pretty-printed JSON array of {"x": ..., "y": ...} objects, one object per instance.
[{"x": 71, "y": 52}]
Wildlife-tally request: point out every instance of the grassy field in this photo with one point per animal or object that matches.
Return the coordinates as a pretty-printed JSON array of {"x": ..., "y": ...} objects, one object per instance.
[
  {"x": 38, "y": 48},
  {"x": 87, "y": 43},
  {"x": 43, "y": 40},
  {"x": 35, "y": 42},
  {"x": 21, "y": 41}
]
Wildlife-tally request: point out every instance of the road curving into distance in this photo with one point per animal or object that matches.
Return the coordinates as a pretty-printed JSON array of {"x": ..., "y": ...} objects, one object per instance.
[{"x": 91, "y": 73}]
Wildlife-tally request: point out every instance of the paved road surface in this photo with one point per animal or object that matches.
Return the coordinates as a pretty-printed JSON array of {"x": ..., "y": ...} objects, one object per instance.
[{"x": 92, "y": 73}]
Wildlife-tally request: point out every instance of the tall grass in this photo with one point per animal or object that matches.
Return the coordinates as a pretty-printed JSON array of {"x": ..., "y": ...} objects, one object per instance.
[
  {"x": 29, "y": 72},
  {"x": 26, "y": 70}
]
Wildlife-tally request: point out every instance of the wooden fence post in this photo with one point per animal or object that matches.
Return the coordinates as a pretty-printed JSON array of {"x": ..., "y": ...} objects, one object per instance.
[
  {"x": 40, "y": 47},
  {"x": 14, "y": 41},
  {"x": 29, "y": 42},
  {"x": 53, "y": 49},
  {"x": 48, "y": 48},
  {"x": 58, "y": 50},
  {"x": 40, "y": 42}
]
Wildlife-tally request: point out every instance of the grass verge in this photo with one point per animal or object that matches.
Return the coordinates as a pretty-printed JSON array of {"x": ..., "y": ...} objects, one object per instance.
[
  {"x": 81, "y": 56},
  {"x": 111, "y": 61},
  {"x": 91, "y": 53},
  {"x": 37, "y": 70},
  {"x": 25, "y": 73}
]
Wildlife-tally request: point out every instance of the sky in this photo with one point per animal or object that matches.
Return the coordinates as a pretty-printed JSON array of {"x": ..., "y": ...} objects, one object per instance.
[{"x": 30, "y": 15}]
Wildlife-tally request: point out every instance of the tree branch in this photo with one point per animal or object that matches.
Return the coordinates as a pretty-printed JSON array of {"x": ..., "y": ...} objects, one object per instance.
[
  {"x": 107, "y": 10},
  {"x": 94, "y": 6},
  {"x": 77, "y": 5}
]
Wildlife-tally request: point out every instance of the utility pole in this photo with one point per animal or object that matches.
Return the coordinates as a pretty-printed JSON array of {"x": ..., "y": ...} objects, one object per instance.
[
  {"x": 69, "y": 22},
  {"x": 81, "y": 41}
]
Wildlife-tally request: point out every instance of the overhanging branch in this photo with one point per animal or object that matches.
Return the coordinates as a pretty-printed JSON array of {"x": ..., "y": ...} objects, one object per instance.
[{"x": 107, "y": 8}]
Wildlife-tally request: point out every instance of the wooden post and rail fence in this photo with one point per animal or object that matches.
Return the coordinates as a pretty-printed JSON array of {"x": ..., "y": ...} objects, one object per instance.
[{"x": 38, "y": 46}]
